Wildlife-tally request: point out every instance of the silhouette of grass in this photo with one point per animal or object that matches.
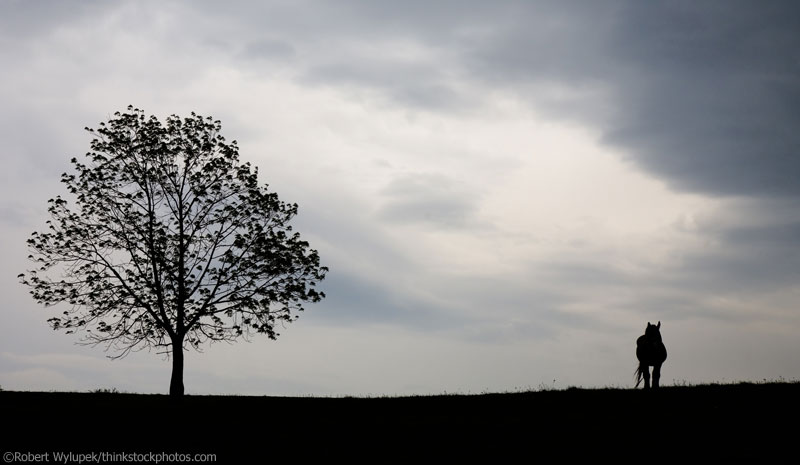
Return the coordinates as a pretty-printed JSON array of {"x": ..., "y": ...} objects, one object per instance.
[
  {"x": 105, "y": 391},
  {"x": 741, "y": 421}
]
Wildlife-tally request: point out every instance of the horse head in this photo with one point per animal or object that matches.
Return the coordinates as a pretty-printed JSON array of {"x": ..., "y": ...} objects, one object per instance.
[{"x": 653, "y": 332}]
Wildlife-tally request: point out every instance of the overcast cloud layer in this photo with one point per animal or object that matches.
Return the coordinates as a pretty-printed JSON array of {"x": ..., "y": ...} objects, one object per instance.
[{"x": 505, "y": 192}]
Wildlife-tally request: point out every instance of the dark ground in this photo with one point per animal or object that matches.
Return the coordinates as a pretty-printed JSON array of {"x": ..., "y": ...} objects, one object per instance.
[{"x": 756, "y": 423}]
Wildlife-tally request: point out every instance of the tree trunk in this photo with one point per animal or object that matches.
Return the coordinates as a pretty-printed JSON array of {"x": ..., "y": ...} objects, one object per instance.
[{"x": 176, "y": 383}]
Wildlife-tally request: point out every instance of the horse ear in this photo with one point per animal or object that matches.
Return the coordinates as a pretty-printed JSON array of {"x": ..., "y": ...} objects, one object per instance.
[{"x": 659, "y": 325}]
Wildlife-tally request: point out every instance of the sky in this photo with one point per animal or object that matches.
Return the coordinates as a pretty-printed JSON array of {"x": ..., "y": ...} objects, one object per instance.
[{"x": 505, "y": 193}]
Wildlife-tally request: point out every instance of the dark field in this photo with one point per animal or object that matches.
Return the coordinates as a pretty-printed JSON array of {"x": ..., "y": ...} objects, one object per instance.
[{"x": 707, "y": 424}]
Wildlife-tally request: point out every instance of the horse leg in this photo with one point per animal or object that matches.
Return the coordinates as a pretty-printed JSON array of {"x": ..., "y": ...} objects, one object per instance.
[
  {"x": 646, "y": 373},
  {"x": 656, "y": 374}
]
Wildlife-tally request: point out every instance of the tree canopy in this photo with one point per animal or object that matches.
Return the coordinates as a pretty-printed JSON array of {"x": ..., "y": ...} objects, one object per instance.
[{"x": 169, "y": 242}]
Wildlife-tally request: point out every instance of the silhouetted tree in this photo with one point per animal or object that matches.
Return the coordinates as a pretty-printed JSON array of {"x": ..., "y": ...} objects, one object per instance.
[{"x": 171, "y": 243}]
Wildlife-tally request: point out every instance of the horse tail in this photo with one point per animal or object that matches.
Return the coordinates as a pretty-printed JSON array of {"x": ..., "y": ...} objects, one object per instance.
[{"x": 638, "y": 376}]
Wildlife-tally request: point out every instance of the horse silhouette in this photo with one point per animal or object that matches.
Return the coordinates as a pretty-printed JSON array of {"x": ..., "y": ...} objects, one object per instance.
[{"x": 651, "y": 352}]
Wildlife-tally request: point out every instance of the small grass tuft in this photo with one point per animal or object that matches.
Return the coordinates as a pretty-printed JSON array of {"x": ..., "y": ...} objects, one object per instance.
[{"x": 112, "y": 390}]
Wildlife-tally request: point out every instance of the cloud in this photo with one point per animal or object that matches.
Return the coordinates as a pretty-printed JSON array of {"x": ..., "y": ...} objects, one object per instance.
[
  {"x": 701, "y": 95},
  {"x": 744, "y": 259},
  {"x": 270, "y": 50},
  {"x": 429, "y": 198},
  {"x": 425, "y": 90},
  {"x": 21, "y": 19}
]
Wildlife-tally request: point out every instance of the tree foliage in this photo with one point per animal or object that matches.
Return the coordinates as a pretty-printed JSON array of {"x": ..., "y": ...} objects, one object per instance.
[{"x": 170, "y": 241}]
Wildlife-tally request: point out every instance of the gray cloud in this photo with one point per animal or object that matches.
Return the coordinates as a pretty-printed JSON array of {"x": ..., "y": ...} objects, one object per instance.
[
  {"x": 746, "y": 261},
  {"x": 429, "y": 198},
  {"x": 269, "y": 49},
  {"x": 704, "y": 95},
  {"x": 505, "y": 308},
  {"x": 355, "y": 300},
  {"x": 21, "y": 19},
  {"x": 714, "y": 102},
  {"x": 402, "y": 82}
]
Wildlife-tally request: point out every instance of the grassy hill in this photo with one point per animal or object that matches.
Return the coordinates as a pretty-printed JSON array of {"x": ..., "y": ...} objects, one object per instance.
[{"x": 733, "y": 422}]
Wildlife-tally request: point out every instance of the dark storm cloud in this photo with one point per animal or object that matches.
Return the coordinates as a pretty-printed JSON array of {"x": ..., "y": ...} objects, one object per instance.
[
  {"x": 705, "y": 95},
  {"x": 714, "y": 104}
]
